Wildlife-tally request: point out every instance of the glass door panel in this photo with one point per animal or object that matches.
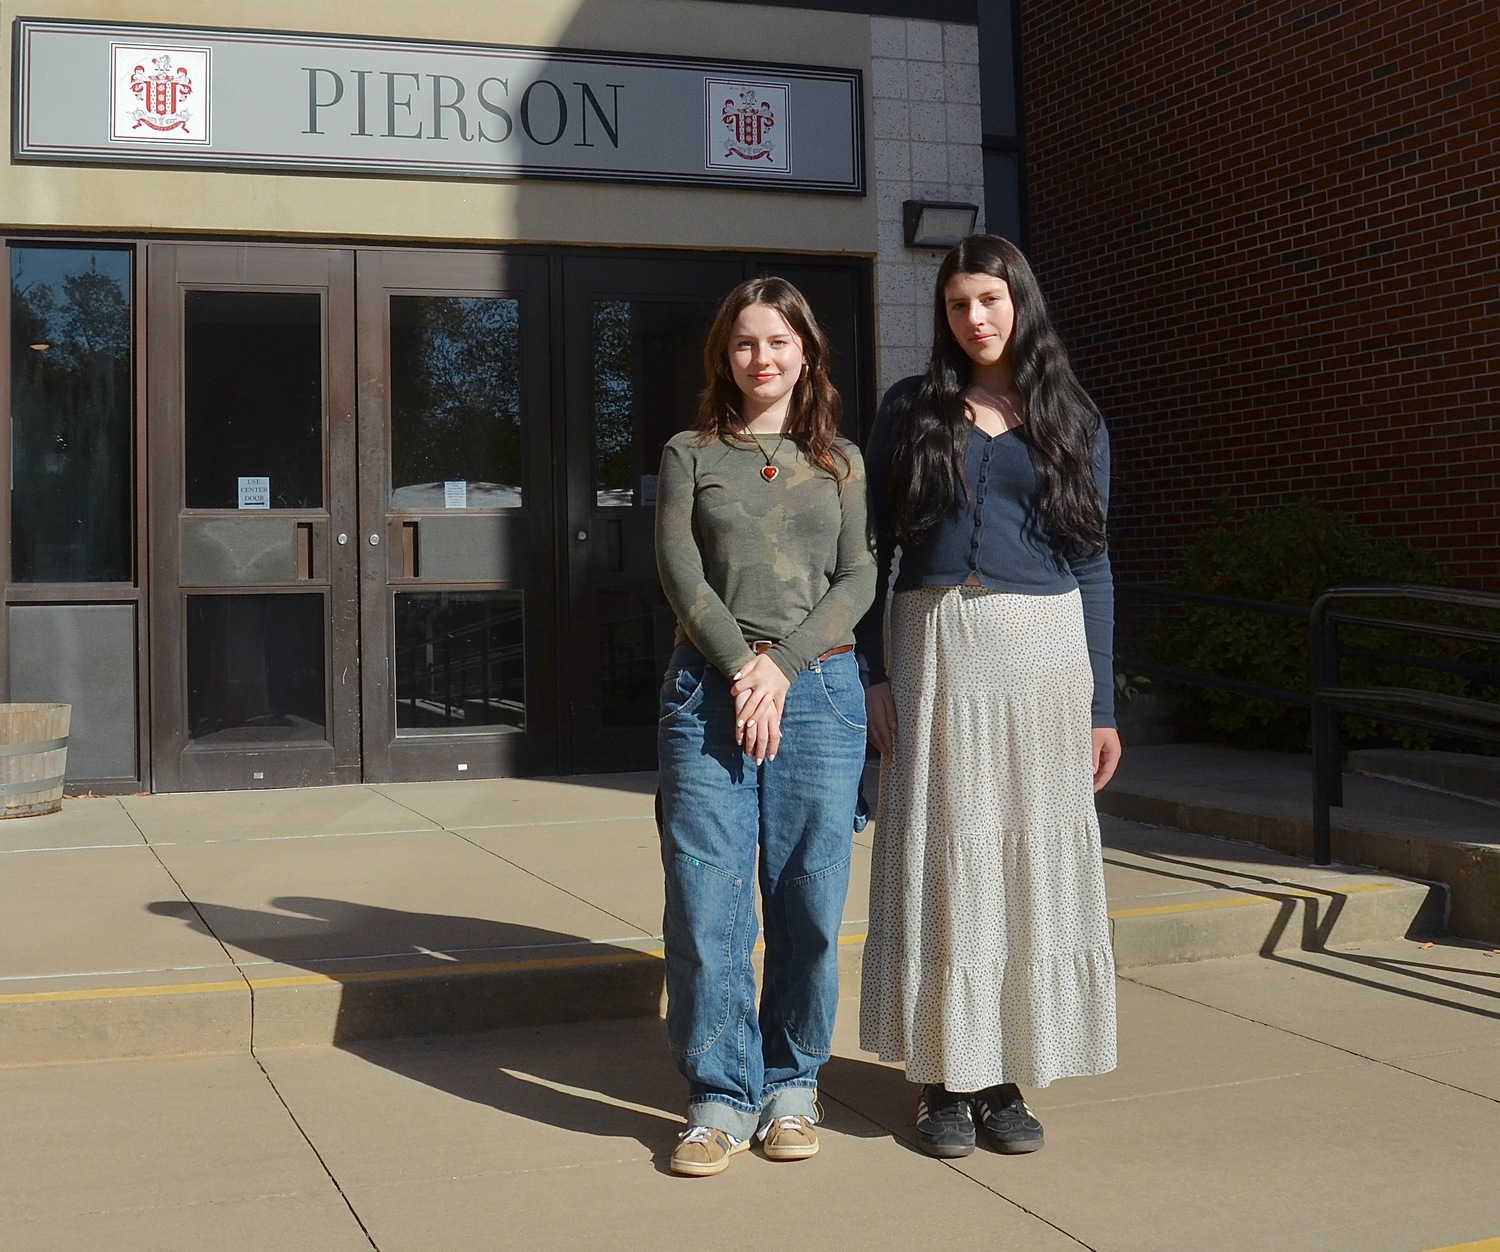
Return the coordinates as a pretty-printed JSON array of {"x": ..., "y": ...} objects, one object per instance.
[
  {"x": 641, "y": 327},
  {"x": 253, "y": 399},
  {"x": 460, "y": 661},
  {"x": 458, "y": 614},
  {"x": 255, "y": 668},
  {"x": 455, "y": 379},
  {"x": 647, "y": 372}
]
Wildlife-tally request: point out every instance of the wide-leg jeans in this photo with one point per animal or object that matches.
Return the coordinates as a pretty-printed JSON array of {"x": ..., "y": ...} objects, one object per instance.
[{"x": 719, "y": 810}]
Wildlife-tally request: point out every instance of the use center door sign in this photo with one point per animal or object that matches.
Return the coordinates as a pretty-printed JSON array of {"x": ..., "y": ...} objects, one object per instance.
[{"x": 255, "y": 493}]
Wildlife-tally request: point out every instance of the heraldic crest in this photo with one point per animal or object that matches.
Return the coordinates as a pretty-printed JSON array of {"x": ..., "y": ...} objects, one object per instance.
[
  {"x": 749, "y": 121},
  {"x": 161, "y": 91}
]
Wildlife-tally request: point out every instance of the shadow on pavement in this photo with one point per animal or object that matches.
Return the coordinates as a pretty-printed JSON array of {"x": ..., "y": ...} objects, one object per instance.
[
  {"x": 1360, "y": 964},
  {"x": 1317, "y": 910},
  {"x": 613, "y": 1076}
]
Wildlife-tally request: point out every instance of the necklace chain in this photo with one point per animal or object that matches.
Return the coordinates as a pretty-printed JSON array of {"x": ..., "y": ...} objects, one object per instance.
[{"x": 769, "y": 471}]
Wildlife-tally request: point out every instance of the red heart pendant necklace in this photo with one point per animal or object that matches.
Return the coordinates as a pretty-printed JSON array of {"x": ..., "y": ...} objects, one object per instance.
[{"x": 769, "y": 471}]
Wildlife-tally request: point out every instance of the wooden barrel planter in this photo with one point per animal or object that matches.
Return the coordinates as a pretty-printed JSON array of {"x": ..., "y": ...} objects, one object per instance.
[{"x": 33, "y": 758}]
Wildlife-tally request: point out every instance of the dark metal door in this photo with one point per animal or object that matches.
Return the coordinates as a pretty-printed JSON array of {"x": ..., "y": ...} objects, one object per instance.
[
  {"x": 255, "y": 640},
  {"x": 457, "y": 524},
  {"x": 635, "y": 330},
  {"x": 408, "y": 534}
]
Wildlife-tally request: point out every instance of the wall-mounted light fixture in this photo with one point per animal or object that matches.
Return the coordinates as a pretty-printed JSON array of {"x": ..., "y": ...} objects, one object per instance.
[
  {"x": 937, "y": 223},
  {"x": 39, "y": 347}
]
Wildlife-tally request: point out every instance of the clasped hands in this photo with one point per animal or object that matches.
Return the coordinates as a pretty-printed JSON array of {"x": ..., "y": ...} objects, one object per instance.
[{"x": 759, "y": 690}]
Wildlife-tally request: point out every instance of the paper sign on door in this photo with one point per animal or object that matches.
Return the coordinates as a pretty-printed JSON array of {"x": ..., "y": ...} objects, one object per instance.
[
  {"x": 255, "y": 493},
  {"x": 455, "y": 495}
]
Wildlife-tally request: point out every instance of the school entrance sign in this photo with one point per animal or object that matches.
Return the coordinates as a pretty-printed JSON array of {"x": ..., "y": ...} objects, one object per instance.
[{"x": 109, "y": 94}]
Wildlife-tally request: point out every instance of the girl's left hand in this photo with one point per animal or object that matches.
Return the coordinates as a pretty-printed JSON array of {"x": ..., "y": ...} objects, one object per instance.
[
  {"x": 759, "y": 692},
  {"x": 1107, "y": 753}
]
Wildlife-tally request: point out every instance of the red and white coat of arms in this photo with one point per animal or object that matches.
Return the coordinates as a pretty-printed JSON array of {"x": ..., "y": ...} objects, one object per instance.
[
  {"x": 163, "y": 95},
  {"x": 747, "y": 126},
  {"x": 750, "y": 121},
  {"x": 160, "y": 93}
]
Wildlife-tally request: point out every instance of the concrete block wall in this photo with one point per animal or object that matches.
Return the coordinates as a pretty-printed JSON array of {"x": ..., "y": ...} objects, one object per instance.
[{"x": 925, "y": 145}]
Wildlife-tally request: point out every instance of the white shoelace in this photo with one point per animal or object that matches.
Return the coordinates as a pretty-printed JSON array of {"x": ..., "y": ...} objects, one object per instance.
[
  {"x": 792, "y": 1122},
  {"x": 703, "y": 1134}
]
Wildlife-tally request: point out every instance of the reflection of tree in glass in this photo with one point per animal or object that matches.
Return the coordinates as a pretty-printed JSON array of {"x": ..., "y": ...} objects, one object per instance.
[
  {"x": 455, "y": 390},
  {"x": 614, "y": 396},
  {"x": 70, "y": 416}
]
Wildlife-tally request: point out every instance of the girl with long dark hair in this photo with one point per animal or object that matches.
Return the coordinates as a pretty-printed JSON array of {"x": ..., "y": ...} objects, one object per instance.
[
  {"x": 764, "y": 554},
  {"x": 988, "y": 962}
]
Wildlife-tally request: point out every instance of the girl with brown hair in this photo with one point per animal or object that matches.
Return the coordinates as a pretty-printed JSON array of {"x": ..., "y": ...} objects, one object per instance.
[{"x": 764, "y": 555}]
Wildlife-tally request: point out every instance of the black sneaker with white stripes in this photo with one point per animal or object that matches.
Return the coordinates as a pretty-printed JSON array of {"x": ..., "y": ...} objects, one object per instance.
[
  {"x": 945, "y": 1122},
  {"x": 1008, "y": 1124}
]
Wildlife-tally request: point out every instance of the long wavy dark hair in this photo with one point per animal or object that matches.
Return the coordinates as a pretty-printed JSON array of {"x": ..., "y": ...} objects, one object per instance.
[
  {"x": 815, "y": 408},
  {"x": 931, "y": 429}
]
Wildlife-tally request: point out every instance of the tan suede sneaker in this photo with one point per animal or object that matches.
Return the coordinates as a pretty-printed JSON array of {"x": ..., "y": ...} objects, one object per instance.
[
  {"x": 704, "y": 1150},
  {"x": 790, "y": 1139}
]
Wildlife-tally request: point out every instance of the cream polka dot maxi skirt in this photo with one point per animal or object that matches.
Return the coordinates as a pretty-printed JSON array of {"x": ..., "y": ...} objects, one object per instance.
[{"x": 988, "y": 956}]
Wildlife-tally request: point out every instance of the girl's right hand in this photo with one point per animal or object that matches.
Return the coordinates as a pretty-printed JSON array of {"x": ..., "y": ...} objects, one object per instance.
[{"x": 880, "y": 717}]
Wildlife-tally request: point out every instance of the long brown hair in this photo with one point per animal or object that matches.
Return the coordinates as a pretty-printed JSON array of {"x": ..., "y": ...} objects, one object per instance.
[{"x": 815, "y": 408}]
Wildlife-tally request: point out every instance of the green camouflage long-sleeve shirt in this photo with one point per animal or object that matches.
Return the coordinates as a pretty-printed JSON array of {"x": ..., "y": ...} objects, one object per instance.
[{"x": 743, "y": 559}]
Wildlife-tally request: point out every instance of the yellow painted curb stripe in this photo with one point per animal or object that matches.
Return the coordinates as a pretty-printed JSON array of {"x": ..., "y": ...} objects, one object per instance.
[
  {"x": 1483, "y": 1245},
  {"x": 1242, "y": 901},
  {"x": 320, "y": 980},
  {"x": 315, "y": 980},
  {"x": 442, "y": 971},
  {"x": 573, "y": 962},
  {"x": 110, "y": 993}
]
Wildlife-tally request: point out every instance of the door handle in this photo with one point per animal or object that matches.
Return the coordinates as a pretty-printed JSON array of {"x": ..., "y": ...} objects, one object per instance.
[
  {"x": 374, "y": 541},
  {"x": 409, "y": 549},
  {"x": 343, "y": 539},
  {"x": 304, "y": 547}
]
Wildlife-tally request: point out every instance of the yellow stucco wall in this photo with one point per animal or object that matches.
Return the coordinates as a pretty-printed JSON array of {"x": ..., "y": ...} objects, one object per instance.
[{"x": 84, "y": 199}]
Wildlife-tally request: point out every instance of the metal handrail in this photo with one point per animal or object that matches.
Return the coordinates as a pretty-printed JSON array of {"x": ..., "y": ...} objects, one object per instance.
[
  {"x": 1456, "y": 715},
  {"x": 1459, "y": 717},
  {"x": 1268, "y": 608},
  {"x": 480, "y": 669},
  {"x": 1193, "y": 678}
]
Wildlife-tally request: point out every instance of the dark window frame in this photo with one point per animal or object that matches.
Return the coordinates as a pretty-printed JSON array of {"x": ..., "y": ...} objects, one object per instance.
[{"x": 132, "y": 592}]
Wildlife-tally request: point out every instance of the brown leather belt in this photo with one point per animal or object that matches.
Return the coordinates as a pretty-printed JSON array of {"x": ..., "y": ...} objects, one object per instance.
[{"x": 758, "y": 646}]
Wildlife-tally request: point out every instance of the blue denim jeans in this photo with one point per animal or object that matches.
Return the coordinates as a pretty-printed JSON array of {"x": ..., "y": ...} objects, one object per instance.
[{"x": 719, "y": 809}]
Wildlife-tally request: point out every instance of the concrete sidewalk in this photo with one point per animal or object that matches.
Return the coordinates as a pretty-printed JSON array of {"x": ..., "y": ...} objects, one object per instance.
[
  {"x": 238, "y": 921},
  {"x": 1327, "y": 1086},
  {"x": 1336, "y": 1102}
]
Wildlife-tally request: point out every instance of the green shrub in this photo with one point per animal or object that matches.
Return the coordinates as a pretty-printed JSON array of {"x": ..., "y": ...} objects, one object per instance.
[{"x": 1287, "y": 556}]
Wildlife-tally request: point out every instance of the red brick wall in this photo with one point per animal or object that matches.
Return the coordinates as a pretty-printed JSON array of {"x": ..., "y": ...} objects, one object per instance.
[{"x": 1270, "y": 235}]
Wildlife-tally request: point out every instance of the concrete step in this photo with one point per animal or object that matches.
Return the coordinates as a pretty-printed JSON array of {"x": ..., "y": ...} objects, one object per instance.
[
  {"x": 1455, "y": 773},
  {"x": 1174, "y": 897},
  {"x": 1177, "y": 898},
  {"x": 1265, "y": 799}
]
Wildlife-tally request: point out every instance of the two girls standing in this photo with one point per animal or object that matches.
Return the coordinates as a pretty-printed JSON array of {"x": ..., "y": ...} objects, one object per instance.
[{"x": 988, "y": 960}]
